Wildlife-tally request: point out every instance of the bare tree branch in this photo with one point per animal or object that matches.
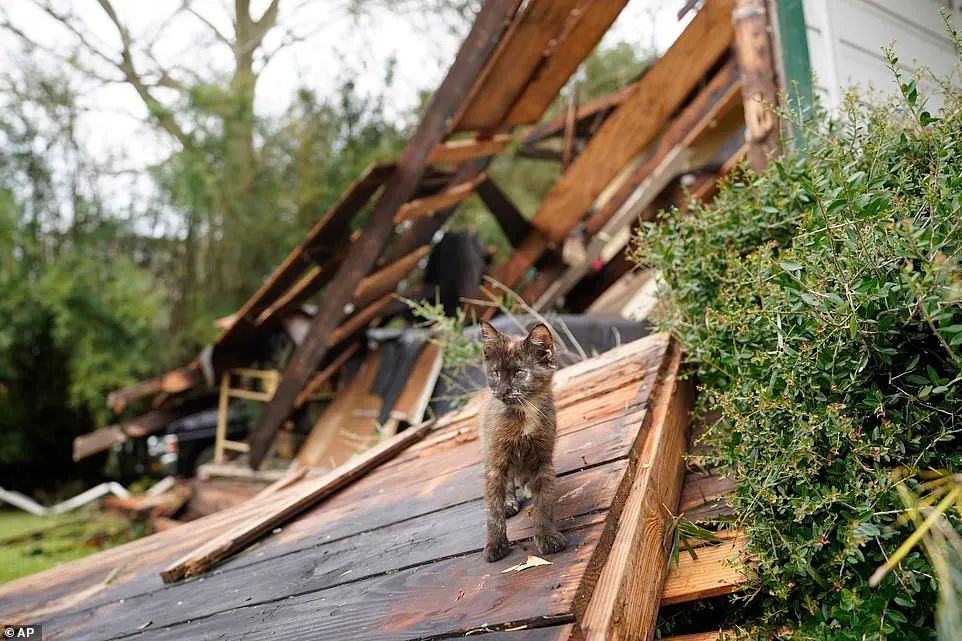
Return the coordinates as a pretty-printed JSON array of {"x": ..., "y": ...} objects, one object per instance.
[{"x": 210, "y": 25}]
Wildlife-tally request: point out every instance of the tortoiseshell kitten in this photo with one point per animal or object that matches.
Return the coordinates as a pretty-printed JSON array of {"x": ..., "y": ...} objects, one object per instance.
[{"x": 517, "y": 436}]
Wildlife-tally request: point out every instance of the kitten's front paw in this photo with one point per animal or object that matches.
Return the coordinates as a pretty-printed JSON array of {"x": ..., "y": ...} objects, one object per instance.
[
  {"x": 511, "y": 506},
  {"x": 496, "y": 551},
  {"x": 551, "y": 542}
]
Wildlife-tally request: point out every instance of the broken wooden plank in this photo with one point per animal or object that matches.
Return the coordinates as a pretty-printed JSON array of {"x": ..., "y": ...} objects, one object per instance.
[
  {"x": 625, "y": 600},
  {"x": 447, "y": 198},
  {"x": 386, "y": 280},
  {"x": 456, "y": 151},
  {"x": 325, "y": 375},
  {"x": 512, "y": 222},
  {"x": 174, "y": 381},
  {"x": 313, "y": 492},
  {"x": 413, "y": 402},
  {"x": 629, "y": 130},
  {"x": 342, "y": 414},
  {"x": 756, "y": 63},
  {"x": 434, "y": 127},
  {"x": 357, "y": 322},
  {"x": 512, "y": 64},
  {"x": 714, "y": 573},
  {"x": 585, "y": 28}
]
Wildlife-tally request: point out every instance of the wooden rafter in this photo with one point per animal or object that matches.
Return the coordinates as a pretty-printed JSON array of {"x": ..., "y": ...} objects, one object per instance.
[
  {"x": 447, "y": 198},
  {"x": 457, "y": 151}
]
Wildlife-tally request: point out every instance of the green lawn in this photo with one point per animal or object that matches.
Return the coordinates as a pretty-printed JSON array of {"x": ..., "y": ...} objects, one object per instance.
[{"x": 30, "y": 543}]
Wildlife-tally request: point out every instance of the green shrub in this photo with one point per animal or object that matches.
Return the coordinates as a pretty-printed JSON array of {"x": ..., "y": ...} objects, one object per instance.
[{"x": 820, "y": 306}]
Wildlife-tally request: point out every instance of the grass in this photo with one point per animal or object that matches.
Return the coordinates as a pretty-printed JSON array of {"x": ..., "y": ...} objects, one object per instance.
[{"x": 30, "y": 543}]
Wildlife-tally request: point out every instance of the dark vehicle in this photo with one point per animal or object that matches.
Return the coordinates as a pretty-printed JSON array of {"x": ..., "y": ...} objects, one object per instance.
[{"x": 185, "y": 444}]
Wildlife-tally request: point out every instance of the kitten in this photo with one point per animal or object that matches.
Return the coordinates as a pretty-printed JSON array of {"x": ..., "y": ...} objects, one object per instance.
[{"x": 517, "y": 436}]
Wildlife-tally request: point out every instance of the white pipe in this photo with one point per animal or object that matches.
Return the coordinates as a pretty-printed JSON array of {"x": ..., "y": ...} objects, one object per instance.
[{"x": 27, "y": 504}]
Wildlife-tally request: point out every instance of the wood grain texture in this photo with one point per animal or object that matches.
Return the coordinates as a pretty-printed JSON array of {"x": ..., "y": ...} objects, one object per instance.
[
  {"x": 353, "y": 412},
  {"x": 715, "y": 572},
  {"x": 584, "y": 28},
  {"x": 389, "y": 519},
  {"x": 456, "y": 151},
  {"x": 589, "y": 110},
  {"x": 448, "y": 198},
  {"x": 511, "y": 66},
  {"x": 624, "y": 603},
  {"x": 337, "y": 563},
  {"x": 309, "y": 495},
  {"x": 756, "y": 63}
]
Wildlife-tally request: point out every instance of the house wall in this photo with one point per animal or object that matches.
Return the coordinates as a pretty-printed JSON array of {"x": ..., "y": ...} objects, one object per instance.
[{"x": 845, "y": 38}]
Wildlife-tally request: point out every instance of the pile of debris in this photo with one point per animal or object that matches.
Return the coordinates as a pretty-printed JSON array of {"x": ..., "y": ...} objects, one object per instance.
[{"x": 348, "y": 380}]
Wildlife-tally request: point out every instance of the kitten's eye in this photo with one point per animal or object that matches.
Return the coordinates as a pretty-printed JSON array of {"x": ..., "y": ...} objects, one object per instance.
[{"x": 521, "y": 374}]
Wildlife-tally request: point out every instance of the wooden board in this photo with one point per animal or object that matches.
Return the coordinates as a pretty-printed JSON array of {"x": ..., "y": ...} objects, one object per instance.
[
  {"x": 456, "y": 151},
  {"x": 348, "y": 423},
  {"x": 517, "y": 57},
  {"x": 587, "y": 24},
  {"x": 454, "y": 531},
  {"x": 588, "y": 111},
  {"x": 714, "y": 573},
  {"x": 624, "y": 602},
  {"x": 413, "y": 402},
  {"x": 307, "y": 496}
]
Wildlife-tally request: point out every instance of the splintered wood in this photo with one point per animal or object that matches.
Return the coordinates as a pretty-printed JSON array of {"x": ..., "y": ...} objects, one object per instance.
[{"x": 389, "y": 546}]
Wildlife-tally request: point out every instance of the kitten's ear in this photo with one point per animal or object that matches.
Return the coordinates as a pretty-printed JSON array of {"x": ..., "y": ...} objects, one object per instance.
[
  {"x": 490, "y": 337},
  {"x": 540, "y": 342}
]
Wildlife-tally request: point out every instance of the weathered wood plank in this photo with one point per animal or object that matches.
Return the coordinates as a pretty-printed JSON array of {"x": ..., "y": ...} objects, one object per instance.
[
  {"x": 627, "y": 131},
  {"x": 174, "y": 381},
  {"x": 314, "y": 492},
  {"x": 511, "y": 66},
  {"x": 448, "y": 198},
  {"x": 451, "y": 597},
  {"x": 413, "y": 401},
  {"x": 587, "y": 24},
  {"x": 361, "y": 506},
  {"x": 756, "y": 63},
  {"x": 434, "y": 126},
  {"x": 456, "y": 151},
  {"x": 715, "y": 572},
  {"x": 624, "y": 603},
  {"x": 455, "y": 531},
  {"x": 353, "y": 412}
]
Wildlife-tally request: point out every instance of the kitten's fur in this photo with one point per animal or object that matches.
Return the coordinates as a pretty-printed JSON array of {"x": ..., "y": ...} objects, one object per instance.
[{"x": 517, "y": 435}]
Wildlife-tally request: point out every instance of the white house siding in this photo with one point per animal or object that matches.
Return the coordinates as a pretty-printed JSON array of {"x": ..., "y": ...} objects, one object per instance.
[{"x": 845, "y": 38}]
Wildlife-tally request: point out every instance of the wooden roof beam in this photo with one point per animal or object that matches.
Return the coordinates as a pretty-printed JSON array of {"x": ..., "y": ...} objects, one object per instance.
[
  {"x": 448, "y": 198},
  {"x": 457, "y": 151}
]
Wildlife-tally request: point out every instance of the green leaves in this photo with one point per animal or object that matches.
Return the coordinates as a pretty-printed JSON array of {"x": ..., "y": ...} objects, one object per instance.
[{"x": 821, "y": 305}]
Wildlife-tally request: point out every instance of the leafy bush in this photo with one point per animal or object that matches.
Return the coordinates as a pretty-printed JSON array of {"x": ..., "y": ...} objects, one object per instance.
[{"x": 820, "y": 306}]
